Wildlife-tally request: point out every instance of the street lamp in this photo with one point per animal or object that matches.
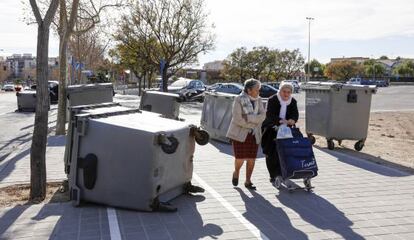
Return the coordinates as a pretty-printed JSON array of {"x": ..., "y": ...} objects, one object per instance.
[{"x": 310, "y": 19}]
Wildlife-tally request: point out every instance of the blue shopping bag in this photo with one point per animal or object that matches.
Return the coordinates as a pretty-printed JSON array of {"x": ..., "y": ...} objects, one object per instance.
[{"x": 296, "y": 157}]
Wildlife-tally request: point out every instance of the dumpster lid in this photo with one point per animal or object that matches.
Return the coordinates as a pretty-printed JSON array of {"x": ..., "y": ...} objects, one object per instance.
[
  {"x": 82, "y": 87},
  {"x": 27, "y": 92},
  {"x": 220, "y": 94},
  {"x": 93, "y": 106},
  {"x": 146, "y": 121},
  {"x": 332, "y": 85},
  {"x": 163, "y": 93}
]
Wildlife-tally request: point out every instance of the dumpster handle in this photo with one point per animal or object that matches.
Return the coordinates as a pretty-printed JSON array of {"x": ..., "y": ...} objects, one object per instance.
[{"x": 168, "y": 144}]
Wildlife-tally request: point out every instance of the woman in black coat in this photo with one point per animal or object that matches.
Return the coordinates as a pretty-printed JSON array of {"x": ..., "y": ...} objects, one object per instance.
[{"x": 282, "y": 108}]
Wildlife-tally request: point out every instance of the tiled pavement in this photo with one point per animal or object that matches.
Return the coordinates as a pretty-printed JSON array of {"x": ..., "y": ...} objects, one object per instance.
[
  {"x": 353, "y": 199},
  {"x": 15, "y": 168}
]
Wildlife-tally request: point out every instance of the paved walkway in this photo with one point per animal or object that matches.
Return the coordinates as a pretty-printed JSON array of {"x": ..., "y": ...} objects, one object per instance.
[{"x": 353, "y": 199}]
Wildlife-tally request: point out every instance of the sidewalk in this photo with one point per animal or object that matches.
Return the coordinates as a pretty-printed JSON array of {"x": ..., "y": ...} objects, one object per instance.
[
  {"x": 353, "y": 199},
  {"x": 15, "y": 168}
]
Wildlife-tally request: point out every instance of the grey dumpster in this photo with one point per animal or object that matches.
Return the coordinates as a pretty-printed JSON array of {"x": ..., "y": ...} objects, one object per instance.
[
  {"x": 131, "y": 159},
  {"x": 167, "y": 104},
  {"x": 92, "y": 108},
  {"x": 26, "y": 101},
  {"x": 217, "y": 114},
  {"x": 338, "y": 112},
  {"x": 89, "y": 94}
]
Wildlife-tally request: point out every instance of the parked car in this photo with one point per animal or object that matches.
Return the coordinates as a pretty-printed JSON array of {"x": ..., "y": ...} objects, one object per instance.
[
  {"x": 213, "y": 86},
  {"x": 295, "y": 83},
  {"x": 189, "y": 90},
  {"x": 275, "y": 85},
  {"x": 231, "y": 88},
  {"x": 8, "y": 87},
  {"x": 53, "y": 91},
  {"x": 267, "y": 91},
  {"x": 382, "y": 83},
  {"x": 360, "y": 81}
]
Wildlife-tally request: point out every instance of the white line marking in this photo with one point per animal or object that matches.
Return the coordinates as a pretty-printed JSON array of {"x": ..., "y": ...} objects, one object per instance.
[
  {"x": 113, "y": 224},
  {"x": 253, "y": 229}
]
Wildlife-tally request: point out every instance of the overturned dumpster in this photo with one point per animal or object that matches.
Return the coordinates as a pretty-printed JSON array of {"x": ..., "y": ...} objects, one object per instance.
[
  {"x": 131, "y": 158},
  {"x": 89, "y": 94},
  {"x": 167, "y": 104},
  {"x": 73, "y": 111},
  {"x": 26, "y": 101}
]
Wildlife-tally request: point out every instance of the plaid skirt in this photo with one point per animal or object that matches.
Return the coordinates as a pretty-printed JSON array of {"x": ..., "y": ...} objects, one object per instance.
[{"x": 247, "y": 149}]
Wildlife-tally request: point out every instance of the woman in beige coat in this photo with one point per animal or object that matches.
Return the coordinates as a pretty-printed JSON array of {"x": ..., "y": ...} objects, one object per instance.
[{"x": 245, "y": 130}]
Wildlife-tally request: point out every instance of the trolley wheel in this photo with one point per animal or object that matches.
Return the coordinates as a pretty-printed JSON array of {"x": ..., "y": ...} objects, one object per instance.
[
  {"x": 339, "y": 142},
  {"x": 307, "y": 183},
  {"x": 359, "y": 145},
  {"x": 278, "y": 182},
  {"x": 312, "y": 138},
  {"x": 331, "y": 145}
]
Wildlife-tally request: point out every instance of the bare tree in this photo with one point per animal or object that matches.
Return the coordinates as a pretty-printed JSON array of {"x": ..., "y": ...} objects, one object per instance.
[
  {"x": 39, "y": 140},
  {"x": 171, "y": 32},
  {"x": 88, "y": 11},
  {"x": 89, "y": 48}
]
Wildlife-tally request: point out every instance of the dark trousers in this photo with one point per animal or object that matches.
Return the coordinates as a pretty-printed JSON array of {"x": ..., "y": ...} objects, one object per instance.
[{"x": 273, "y": 164}]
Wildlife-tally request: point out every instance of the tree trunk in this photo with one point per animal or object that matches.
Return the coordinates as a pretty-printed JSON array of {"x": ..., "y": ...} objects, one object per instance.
[
  {"x": 61, "y": 116},
  {"x": 139, "y": 85},
  {"x": 145, "y": 79},
  {"x": 39, "y": 141},
  {"x": 150, "y": 79},
  {"x": 165, "y": 79}
]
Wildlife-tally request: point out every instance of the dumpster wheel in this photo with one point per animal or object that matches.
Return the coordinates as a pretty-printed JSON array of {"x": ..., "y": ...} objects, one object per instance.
[
  {"x": 359, "y": 145},
  {"x": 201, "y": 137},
  {"x": 311, "y": 138},
  {"x": 331, "y": 144}
]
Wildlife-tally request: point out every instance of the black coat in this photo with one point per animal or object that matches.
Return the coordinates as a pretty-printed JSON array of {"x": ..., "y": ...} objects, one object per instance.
[{"x": 272, "y": 119}]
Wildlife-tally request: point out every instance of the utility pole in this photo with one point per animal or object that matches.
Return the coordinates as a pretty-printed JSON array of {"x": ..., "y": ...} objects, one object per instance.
[{"x": 309, "y": 45}]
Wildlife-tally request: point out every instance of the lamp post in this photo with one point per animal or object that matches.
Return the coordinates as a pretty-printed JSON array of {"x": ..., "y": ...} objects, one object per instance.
[{"x": 309, "y": 36}]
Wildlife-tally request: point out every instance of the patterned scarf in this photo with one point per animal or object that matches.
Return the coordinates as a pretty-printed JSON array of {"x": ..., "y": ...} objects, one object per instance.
[{"x": 246, "y": 102}]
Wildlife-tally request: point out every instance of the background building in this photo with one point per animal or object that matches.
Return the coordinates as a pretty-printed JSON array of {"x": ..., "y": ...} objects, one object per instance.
[{"x": 21, "y": 65}]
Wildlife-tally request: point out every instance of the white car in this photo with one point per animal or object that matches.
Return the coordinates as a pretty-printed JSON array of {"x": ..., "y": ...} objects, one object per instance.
[{"x": 8, "y": 88}]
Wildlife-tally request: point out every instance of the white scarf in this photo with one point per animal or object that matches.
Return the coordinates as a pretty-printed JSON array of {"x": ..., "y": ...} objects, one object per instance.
[{"x": 283, "y": 105}]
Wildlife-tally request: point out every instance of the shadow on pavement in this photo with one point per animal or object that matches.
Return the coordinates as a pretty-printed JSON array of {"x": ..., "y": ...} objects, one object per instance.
[
  {"x": 10, "y": 165},
  {"x": 319, "y": 212},
  {"x": 192, "y": 219},
  {"x": 223, "y": 147},
  {"x": 56, "y": 141},
  {"x": 270, "y": 220},
  {"x": 8, "y": 218},
  {"x": 362, "y": 160},
  {"x": 21, "y": 139}
]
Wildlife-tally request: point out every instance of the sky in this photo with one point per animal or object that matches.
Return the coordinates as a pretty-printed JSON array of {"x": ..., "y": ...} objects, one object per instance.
[{"x": 346, "y": 28}]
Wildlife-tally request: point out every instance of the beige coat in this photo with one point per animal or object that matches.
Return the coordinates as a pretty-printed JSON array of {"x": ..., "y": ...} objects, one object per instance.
[{"x": 239, "y": 128}]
